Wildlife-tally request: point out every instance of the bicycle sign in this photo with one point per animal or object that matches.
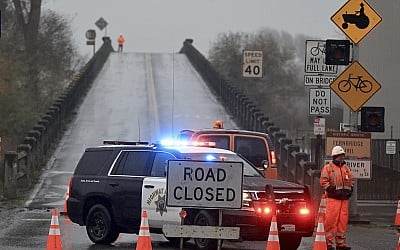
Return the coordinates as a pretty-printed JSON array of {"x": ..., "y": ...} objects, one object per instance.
[
  {"x": 315, "y": 58},
  {"x": 355, "y": 86},
  {"x": 364, "y": 86}
]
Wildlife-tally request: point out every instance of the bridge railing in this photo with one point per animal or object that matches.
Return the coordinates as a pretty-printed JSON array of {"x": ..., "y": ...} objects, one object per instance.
[
  {"x": 22, "y": 166},
  {"x": 294, "y": 165}
]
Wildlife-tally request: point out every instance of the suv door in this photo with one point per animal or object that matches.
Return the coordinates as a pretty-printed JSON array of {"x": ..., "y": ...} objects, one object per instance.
[
  {"x": 125, "y": 181},
  {"x": 154, "y": 194}
]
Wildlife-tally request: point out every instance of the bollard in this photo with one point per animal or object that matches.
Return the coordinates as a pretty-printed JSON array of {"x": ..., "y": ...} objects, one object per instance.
[{"x": 10, "y": 175}]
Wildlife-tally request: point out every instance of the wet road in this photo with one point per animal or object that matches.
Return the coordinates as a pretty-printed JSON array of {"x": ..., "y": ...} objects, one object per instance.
[
  {"x": 141, "y": 96},
  {"x": 28, "y": 229}
]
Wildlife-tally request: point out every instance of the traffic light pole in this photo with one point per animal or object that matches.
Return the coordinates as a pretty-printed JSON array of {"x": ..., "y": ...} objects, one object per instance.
[{"x": 354, "y": 127}]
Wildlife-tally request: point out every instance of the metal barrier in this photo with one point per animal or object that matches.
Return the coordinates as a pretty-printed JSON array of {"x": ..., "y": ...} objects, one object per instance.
[{"x": 22, "y": 165}]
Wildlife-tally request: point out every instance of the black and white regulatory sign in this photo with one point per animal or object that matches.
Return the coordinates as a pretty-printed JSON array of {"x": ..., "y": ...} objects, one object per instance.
[
  {"x": 320, "y": 101},
  {"x": 252, "y": 63},
  {"x": 204, "y": 184}
]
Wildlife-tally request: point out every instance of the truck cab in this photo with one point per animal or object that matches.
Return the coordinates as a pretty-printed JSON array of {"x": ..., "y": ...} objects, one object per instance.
[{"x": 256, "y": 147}]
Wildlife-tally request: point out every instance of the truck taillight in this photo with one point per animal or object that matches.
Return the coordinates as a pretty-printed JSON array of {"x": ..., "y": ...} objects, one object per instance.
[{"x": 273, "y": 158}]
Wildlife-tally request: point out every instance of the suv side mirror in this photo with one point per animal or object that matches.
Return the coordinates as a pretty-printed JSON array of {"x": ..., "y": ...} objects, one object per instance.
[{"x": 265, "y": 164}]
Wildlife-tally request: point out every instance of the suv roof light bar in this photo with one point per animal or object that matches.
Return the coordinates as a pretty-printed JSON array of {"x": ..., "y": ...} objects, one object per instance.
[{"x": 107, "y": 142}]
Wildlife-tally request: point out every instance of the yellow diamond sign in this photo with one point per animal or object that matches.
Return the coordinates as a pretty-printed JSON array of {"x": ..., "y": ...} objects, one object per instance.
[
  {"x": 355, "y": 86},
  {"x": 356, "y": 19}
]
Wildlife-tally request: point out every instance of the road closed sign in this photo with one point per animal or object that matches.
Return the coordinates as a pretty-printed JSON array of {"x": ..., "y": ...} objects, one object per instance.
[
  {"x": 319, "y": 101},
  {"x": 204, "y": 184}
]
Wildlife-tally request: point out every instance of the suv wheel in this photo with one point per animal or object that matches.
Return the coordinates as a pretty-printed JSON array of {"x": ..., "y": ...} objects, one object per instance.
[
  {"x": 205, "y": 218},
  {"x": 99, "y": 225}
]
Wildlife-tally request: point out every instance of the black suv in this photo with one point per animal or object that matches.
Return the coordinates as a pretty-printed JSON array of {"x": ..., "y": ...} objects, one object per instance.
[{"x": 112, "y": 184}]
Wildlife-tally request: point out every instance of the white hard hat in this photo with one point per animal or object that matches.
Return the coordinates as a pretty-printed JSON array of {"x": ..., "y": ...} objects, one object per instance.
[{"x": 337, "y": 150}]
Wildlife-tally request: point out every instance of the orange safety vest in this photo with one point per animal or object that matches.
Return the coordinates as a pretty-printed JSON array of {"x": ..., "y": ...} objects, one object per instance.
[
  {"x": 335, "y": 176},
  {"x": 121, "y": 40}
]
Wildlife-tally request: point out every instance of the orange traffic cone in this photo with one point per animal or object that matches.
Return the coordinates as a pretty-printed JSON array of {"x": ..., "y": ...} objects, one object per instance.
[
  {"x": 273, "y": 238},
  {"x": 397, "y": 219},
  {"x": 322, "y": 207},
  {"x": 144, "y": 239},
  {"x": 54, "y": 238},
  {"x": 320, "y": 240}
]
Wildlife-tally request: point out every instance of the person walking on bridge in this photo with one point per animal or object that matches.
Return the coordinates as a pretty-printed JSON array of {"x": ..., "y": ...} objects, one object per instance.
[
  {"x": 337, "y": 181},
  {"x": 121, "y": 41}
]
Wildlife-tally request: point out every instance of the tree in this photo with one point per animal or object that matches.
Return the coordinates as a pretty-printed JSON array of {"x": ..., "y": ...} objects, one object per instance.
[
  {"x": 280, "y": 92},
  {"x": 27, "y": 15},
  {"x": 54, "y": 63}
]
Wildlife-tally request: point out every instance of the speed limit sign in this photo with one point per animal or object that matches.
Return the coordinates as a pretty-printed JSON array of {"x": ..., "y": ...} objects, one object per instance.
[{"x": 252, "y": 63}]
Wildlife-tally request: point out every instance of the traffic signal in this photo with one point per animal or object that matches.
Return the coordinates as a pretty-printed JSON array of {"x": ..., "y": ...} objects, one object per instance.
[
  {"x": 337, "y": 52},
  {"x": 373, "y": 119}
]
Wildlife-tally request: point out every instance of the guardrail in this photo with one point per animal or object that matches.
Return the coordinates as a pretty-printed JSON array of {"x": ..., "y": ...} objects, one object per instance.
[
  {"x": 293, "y": 165},
  {"x": 22, "y": 166}
]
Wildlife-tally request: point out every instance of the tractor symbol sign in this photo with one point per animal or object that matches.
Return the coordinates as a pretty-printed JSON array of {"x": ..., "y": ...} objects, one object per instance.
[
  {"x": 359, "y": 19},
  {"x": 356, "y": 19}
]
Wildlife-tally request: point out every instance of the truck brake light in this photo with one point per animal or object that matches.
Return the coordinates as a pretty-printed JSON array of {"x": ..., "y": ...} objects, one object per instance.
[{"x": 273, "y": 158}]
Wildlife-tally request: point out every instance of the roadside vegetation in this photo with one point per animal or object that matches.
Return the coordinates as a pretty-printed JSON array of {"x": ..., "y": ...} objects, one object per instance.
[
  {"x": 280, "y": 93},
  {"x": 37, "y": 60}
]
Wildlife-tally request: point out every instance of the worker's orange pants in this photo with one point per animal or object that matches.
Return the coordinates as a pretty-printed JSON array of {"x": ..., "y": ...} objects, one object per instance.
[{"x": 337, "y": 216}]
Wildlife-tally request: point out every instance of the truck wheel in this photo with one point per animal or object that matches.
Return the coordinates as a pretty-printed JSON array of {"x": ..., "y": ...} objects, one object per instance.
[
  {"x": 205, "y": 218},
  {"x": 99, "y": 225},
  {"x": 289, "y": 242}
]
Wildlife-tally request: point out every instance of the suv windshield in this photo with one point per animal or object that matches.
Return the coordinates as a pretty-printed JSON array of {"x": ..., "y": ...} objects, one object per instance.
[{"x": 248, "y": 169}]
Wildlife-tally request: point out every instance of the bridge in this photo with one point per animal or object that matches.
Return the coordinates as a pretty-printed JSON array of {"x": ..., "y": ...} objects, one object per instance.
[{"x": 140, "y": 96}]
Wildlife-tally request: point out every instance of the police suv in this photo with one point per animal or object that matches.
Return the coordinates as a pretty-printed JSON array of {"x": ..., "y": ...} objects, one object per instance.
[{"x": 113, "y": 183}]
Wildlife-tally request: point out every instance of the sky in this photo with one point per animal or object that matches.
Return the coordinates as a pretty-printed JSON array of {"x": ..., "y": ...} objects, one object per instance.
[{"x": 163, "y": 25}]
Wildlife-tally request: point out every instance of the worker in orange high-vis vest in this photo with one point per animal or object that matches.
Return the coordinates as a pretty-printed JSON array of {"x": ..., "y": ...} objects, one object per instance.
[
  {"x": 121, "y": 41},
  {"x": 337, "y": 181}
]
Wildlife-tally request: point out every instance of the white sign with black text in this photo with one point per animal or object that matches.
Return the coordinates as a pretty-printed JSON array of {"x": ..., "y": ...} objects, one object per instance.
[
  {"x": 319, "y": 80},
  {"x": 204, "y": 184},
  {"x": 252, "y": 63},
  {"x": 315, "y": 58},
  {"x": 319, "y": 101},
  {"x": 361, "y": 169},
  {"x": 319, "y": 126},
  {"x": 390, "y": 147}
]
